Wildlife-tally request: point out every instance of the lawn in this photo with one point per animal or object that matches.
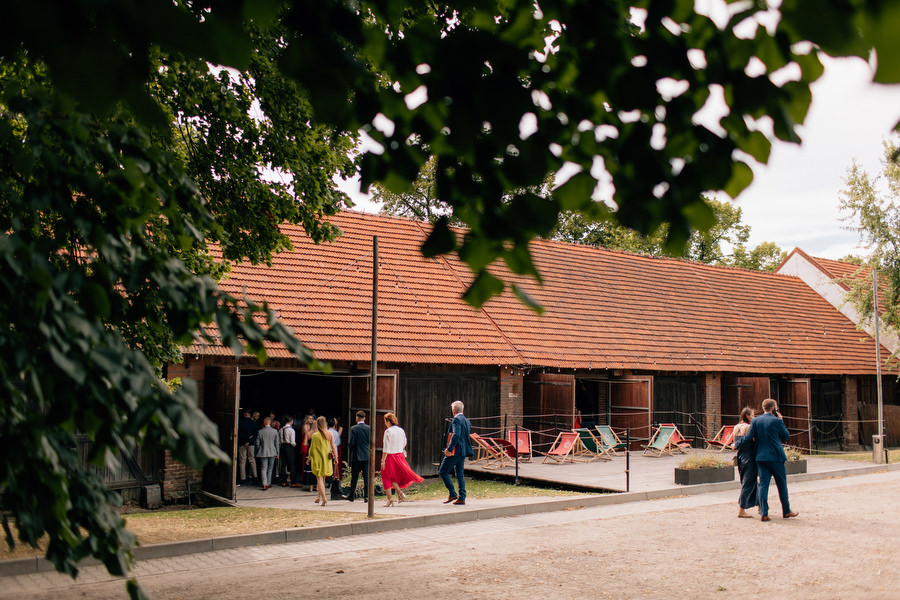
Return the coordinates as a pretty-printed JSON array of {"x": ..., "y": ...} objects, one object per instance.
[{"x": 188, "y": 524}]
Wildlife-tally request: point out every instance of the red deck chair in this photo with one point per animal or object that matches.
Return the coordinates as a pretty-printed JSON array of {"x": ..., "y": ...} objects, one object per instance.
[
  {"x": 487, "y": 450},
  {"x": 724, "y": 440},
  {"x": 564, "y": 448},
  {"x": 524, "y": 443},
  {"x": 678, "y": 441}
]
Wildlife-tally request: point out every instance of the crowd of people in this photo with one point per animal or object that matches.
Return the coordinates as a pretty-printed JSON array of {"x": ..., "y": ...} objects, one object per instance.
[
  {"x": 301, "y": 453},
  {"x": 309, "y": 455}
]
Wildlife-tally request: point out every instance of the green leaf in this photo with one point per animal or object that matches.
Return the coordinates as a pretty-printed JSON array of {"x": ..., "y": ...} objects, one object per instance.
[
  {"x": 741, "y": 178},
  {"x": 441, "y": 240},
  {"x": 576, "y": 192},
  {"x": 527, "y": 300},
  {"x": 485, "y": 287}
]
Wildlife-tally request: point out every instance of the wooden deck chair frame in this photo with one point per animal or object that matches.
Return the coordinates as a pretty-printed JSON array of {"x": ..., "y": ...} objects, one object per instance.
[
  {"x": 588, "y": 440},
  {"x": 487, "y": 451},
  {"x": 661, "y": 442},
  {"x": 506, "y": 448},
  {"x": 563, "y": 448},
  {"x": 724, "y": 439},
  {"x": 524, "y": 445},
  {"x": 610, "y": 440}
]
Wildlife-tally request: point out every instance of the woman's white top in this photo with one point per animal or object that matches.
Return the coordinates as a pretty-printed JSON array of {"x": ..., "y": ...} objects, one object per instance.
[{"x": 394, "y": 440}]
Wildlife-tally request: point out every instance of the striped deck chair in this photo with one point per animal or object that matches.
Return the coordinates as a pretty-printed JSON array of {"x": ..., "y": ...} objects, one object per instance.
[
  {"x": 679, "y": 442},
  {"x": 487, "y": 451},
  {"x": 590, "y": 447},
  {"x": 524, "y": 443},
  {"x": 563, "y": 448},
  {"x": 660, "y": 443},
  {"x": 609, "y": 439},
  {"x": 724, "y": 440}
]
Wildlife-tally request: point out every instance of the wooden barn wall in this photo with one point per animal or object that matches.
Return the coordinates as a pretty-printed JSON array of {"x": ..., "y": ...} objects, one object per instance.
[
  {"x": 630, "y": 407},
  {"x": 826, "y": 403},
  {"x": 548, "y": 402},
  {"x": 738, "y": 392},
  {"x": 679, "y": 400},
  {"x": 794, "y": 406},
  {"x": 423, "y": 407}
]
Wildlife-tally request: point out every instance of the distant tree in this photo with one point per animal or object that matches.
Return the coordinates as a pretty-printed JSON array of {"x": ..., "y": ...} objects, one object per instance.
[
  {"x": 419, "y": 202},
  {"x": 708, "y": 247},
  {"x": 873, "y": 211}
]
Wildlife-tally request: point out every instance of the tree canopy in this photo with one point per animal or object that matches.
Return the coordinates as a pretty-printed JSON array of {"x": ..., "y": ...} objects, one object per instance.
[
  {"x": 872, "y": 207},
  {"x": 125, "y": 151}
]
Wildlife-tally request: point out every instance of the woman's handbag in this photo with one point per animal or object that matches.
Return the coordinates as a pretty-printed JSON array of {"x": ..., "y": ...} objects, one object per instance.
[{"x": 336, "y": 492}]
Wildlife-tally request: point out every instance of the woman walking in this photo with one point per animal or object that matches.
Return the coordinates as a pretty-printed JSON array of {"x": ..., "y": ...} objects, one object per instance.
[
  {"x": 395, "y": 471},
  {"x": 322, "y": 456},
  {"x": 746, "y": 463}
]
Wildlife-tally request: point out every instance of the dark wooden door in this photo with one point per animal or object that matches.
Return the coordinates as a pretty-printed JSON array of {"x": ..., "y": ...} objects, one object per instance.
[
  {"x": 738, "y": 392},
  {"x": 549, "y": 405},
  {"x": 679, "y": 400},
  {"x": 629, "y": 407},
  {"x": 793, "y": 404},
  {"x": 220, "y": 406},
  {"x": 385, "y": 402}
]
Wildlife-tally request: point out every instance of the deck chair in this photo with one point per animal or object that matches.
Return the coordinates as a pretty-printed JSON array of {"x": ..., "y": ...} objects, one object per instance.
[
  {"x": 590, "y": 447},
  {"x": 724, "y": 440},
  {"x": 487, "y": 451},
  {"x": 524, "y": 443},
  {"x": 679, "y": 442},
  {"x": 563, "y": 448},
  {"x": 609, "y": 439},
  {"x": 506, "y": 447},
  {"x": 661, "y": 442}
]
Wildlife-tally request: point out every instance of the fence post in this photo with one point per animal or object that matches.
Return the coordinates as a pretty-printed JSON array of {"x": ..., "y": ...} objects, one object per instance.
[
  {"x": 628, "y": 459},
  {"x": 517, "y": 454}
]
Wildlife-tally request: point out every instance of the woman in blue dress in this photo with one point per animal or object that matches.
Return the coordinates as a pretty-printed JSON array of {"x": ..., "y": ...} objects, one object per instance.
[{"x": 746, "y": 463}]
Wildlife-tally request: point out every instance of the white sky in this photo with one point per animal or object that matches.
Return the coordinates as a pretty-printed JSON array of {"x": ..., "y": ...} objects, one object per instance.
[{"x": 793, "y": 200}]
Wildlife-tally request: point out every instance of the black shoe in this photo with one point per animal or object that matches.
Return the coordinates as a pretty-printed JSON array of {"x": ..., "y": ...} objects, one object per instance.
[{"x": 348, "y": 498}]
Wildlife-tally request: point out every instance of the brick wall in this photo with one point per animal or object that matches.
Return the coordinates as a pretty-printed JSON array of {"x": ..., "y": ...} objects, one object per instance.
[
  {"x": 511, "y": 384},
  {"x": 712, "y": 403},
  {"x": 176, "y": 477},
  {"x": 850, "y": 411}
]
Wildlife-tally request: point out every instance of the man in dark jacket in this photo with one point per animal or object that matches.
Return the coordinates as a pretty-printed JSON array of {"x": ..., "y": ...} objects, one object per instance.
[
  {"x": 358, "y": 446},
  {"x": 769, "y": 432},
  {"x": 247, "y": 430},
  {"x": 457, "y": 450}
]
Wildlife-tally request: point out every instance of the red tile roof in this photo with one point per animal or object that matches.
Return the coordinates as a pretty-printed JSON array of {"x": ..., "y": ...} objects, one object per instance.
[{"x": 603, "y": 309}]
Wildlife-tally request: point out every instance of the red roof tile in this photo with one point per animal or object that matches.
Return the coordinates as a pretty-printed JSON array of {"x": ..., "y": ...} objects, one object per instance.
[{"x": 603, "y": 309}]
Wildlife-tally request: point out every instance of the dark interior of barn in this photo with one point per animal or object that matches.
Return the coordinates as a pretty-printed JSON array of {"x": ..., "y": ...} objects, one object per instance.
[{"x": 292, "y": 393}]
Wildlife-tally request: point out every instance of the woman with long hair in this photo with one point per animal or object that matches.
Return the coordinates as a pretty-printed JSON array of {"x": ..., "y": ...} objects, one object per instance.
[
  {"x": 746, "y": 464},
  {"x": 396, "y": 473},
  {"x": 322, "y": 456}
]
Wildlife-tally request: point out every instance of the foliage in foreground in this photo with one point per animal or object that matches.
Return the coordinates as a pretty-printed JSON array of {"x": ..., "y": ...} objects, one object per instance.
[{"x": 121, "y": 160}]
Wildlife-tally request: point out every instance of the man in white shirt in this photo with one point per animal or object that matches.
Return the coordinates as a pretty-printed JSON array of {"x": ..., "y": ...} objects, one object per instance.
[{"x": 289, "y": 454}]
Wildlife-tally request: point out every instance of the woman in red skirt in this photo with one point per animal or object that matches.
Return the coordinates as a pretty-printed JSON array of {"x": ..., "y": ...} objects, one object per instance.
[{"x": 395, "y": 471}]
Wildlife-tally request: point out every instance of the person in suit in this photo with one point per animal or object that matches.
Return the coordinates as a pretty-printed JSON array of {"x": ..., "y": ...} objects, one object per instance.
[
  {"x": 769, "y": 433},
  {"x": 457, "y": 449},
  {"x": 358, "y": 452}
]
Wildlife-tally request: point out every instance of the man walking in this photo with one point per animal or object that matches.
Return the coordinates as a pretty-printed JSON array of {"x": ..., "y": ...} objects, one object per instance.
[
  {"x": 770, "y": 433},
  {"x": 456, "y": 451},
  {"x": 247, "y": 429},
  {"x": 358, "y": 448}
]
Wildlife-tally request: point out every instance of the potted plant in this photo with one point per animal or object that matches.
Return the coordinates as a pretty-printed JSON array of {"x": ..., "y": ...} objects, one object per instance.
[
  {"x": 704, "y": 468},
  {"x": 795, "y": 462}
]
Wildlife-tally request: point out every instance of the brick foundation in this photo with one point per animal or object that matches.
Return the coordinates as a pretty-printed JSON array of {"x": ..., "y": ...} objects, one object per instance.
[
  {"x": 176, "y": 477},
  {"x": 712, "y": 403},
  {"x": 850, "y": 412},
  {"x": 511, "y": 386}
]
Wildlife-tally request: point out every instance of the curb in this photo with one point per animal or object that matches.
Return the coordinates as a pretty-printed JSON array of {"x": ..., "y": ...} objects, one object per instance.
[{"x": 24, "y": 566}]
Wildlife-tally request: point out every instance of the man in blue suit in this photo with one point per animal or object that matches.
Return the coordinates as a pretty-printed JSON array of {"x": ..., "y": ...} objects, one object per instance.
[
  {"x": 359, "y": 455},
  {"x": 456, "y": 451},
  {"x": 770, "y": 433}
]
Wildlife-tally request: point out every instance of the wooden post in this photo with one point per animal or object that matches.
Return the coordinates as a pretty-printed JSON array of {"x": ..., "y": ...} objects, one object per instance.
[{"x": 373, "y": 378}]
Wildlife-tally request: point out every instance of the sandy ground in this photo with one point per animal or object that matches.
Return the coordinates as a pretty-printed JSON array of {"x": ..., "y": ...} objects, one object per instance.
[{"x": 843, "y": 546}]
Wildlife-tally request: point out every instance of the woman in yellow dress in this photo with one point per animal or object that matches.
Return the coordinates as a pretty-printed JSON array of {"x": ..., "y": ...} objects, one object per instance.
[{"x": 322, "y": 456}]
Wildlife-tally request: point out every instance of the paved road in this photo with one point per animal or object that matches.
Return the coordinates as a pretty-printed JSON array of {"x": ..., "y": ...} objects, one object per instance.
[{"x": 842, "y": 546}]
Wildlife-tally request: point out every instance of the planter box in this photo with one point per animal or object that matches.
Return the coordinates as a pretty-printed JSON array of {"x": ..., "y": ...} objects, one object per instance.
[
  {"x": 707, "y": 475},
  {"x": 797, "y": 466}
]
